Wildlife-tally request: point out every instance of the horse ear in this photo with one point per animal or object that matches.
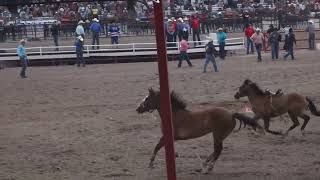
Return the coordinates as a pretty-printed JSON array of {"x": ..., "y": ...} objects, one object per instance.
[{"x": 247, "y": 81}]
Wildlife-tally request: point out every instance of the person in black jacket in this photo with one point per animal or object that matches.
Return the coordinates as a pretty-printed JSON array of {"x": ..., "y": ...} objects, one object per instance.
[
  {"x": 210, "y": 56},
  {"x": 289, "y": 42},
  {"x": 55, "y": 34}
]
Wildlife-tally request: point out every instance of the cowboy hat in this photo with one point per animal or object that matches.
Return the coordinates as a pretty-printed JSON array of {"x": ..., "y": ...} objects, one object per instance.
[
  {"x": 185, "y": 19},
  {"x": 22, "y": 41},
  {"x": 80, "y": 38},
  {"x": 220, "y": 29},
  {"x": 180, "y": 19},
  {"x": 310, "y": 21},
  {"x": 95, "y": 19},
  {"x": 80, "y": 22},
  {"x": 258, "y": 29}
]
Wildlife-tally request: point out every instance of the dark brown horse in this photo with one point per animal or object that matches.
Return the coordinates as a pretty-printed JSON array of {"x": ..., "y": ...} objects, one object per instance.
[
  {"x": 188, "y": 124},
  {"x": 266, "y": 105}
]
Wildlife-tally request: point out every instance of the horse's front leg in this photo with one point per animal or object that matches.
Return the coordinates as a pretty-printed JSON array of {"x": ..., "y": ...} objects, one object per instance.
[
  {"x": 155, "y": 151},
  {"x": 266, "y": 127},
  {"x": 209, "y": 163}
]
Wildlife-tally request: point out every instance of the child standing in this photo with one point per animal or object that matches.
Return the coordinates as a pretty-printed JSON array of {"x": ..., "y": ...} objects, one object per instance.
[{"x": 184, "y": 46}]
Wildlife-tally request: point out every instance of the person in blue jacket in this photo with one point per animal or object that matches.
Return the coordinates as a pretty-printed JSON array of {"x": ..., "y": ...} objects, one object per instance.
[
  {"x": 95, "y": 29},
  {"x": 79, "y": 51},
  {"x": 114, "y": 32},
  {"x": 21, "y": 50},
  {"x": 222, "y": 36}
]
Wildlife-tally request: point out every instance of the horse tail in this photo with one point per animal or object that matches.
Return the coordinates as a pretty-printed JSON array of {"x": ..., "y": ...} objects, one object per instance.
[
  {"x": 312, "y": 107},
  {"x": 246, "y": 120}
]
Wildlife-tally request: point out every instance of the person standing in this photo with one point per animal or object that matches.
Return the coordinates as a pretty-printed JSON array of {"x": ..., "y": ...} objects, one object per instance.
[
  {"x": 184, "y": 46},
  {"x": 170, "y": 33},
  {"x": 290, "y": 41},
  {"x": 273, "y": 40},
  {"x": 196, "y": 29},
  {"x": 80, "y": 29},
  {"x": 312, "y": 35},
  {"x": 221, "y": 36},
  {"x": 249, "y": 31},
  {"x": 21, "y": 50},
  {"x": 180, "y": 28},
  {"x": 55, "y": 34},
  {"x": 258, "y": 39},
  {"x": 114, "y": 32},
  {"x": 210, "y": 56},
  {"x": 79, "y": 51},
  {"x": 95, "y": 29},
  {"x": 186, "y": 28}
]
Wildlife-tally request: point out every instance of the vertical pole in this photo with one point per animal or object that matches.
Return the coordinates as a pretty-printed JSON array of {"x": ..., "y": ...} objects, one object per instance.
[{"x": 165, "y": 103}]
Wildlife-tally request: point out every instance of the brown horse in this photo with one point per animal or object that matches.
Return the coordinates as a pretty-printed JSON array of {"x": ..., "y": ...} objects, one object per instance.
[
  {"x": 266, "y": 105},
  {"x": 188, "y": 124}
]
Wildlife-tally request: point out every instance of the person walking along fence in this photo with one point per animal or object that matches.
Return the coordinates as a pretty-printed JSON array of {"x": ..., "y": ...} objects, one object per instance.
[{"x": 21, "y": 50}]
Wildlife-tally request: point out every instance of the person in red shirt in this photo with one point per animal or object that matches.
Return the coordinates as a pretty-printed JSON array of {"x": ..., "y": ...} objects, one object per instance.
[
  {"x": 249, "y": 31},
  {"x": 195, "y": 24}
]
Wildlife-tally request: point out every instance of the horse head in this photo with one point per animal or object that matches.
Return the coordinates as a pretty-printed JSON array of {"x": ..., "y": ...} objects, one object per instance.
[
  {"x": 243, "y": 89},
  {"x": 150, "y": 102}
]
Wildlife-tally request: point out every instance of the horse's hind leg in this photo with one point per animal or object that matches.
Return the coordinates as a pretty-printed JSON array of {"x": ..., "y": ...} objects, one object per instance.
[
  {"x": 295, "y": 121},
  {"x": 306, "y": 119},
  {"x": 266, "y": 122},
  {"x": 209, "y": 163},
  {"x": 155, "y": 151}
]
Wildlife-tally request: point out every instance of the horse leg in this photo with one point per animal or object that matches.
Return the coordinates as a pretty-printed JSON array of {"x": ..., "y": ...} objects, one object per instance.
[
  {"x": 295, "y": 121},
  {"x": 155, "y": 151},
  {"x": 209, "y": 163},
  {"x": 306, "y": 119},
  {"x": 267, "y": 125}
]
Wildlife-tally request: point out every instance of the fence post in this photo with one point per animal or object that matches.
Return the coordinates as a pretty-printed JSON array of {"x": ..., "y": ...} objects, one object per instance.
[
  {"x": 133, "y": 47},
  {"x": 88, "y": 49},
  {"x": 40, "y": 51}
]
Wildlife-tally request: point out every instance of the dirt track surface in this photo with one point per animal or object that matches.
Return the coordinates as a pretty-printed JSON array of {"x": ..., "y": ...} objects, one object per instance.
[{"x": 80, "y": 123}]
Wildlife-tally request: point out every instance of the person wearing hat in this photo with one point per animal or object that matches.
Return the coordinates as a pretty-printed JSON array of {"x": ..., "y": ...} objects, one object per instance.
[
  {"x": 114, "y": 32},
  {"x": 21, "y": 50},
  {"x": 291, "y": 39},
  {"x": 180, "y": 28},
  {"x": 249, "y": 31},
  {"x": 273, "y": 40},
  {"x": 210, "y": 56},
  {"x": 258, "y": 39},
  {"x": 55, "y": 34},
  {"x": 170, "y": 32},
  {"x": 80, "y": 29},
  {"x": 95, "y": 29},
  {"x": 312, "y": 35},
  {"x": 221, "y": 36},
  {"x": 186, "y": 29},
  {"x": 79, "y": 51}
]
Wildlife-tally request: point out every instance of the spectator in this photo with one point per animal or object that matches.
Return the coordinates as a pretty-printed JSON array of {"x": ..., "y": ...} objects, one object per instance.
[
  {"x": 174, "y": 24},
  {"x": 184, "y": 46},
  {"x": 312, "y": 35},
  {"x": 79, "y": 51},
  {"x": 114, "y": 32},
  {"x": 180, "y": 28},
  {"x": 186, "y": 28},
  {"x": 290, "y": 41},
  {"x": 95, "y": 29},
  {"x": 55, "y": 34},
  {"x": 80, "y": 29},
  {"x": 170, "y": 33},
  {"x": 258, "y": 39},
  {"x": 222, "y": 36},
  {"x": 196, "y": 29},
  {"x": 210, "y": 56},
  {"x": 249, "y": 31},
  {"x": 21, "y": 50}
]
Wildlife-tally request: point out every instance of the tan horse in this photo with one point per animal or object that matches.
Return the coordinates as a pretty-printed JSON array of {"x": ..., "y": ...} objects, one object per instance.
[
  {"x": 188, "y": 124},
  {"x": 266, "y": 105}
]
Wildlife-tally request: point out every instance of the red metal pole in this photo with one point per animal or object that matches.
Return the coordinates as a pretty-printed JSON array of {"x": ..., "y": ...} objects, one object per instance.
[{"x": 165, "y": 103}]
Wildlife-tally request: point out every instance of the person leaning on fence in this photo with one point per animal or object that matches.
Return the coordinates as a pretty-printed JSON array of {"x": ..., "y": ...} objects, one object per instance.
[
  {"x": 79, "y": 51},
  {"x": 80, "y": 29},
  {"x": 312, "y": 35},
  {"x": 95, "y": 29},
  {"x": 195, "y": 29},
  {"x": 21, "y": 50},
  {"x": 211, "y": 52},
  {"x": 55, "y": 34},
  {"x": 291, "y": 39},
  {"x": 186, "y": 29},
  {"x": 249, "y": 31},
  {"x": 258, "y": 39},
  {"x": 170, "y": 31},
  {"x": 222, "y": 36},
  {"x": 184, "y": 46},
  {"x": 273, "y": 40},
  {"x": 180, "y": 28},
  {"x": 114, "y": 32}
]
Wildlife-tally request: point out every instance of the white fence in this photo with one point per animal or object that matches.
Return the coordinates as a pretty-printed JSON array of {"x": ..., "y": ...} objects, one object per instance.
[{"x": 109, "y": 50}]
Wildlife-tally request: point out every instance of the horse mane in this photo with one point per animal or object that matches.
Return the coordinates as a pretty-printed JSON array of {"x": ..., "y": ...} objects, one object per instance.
[
  {"x": 257, "y": 89},
  {"x": 176, "y": 102}
]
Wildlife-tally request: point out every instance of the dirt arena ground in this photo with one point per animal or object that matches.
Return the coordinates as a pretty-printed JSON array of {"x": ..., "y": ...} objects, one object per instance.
[{"x": 69, "y": 123}]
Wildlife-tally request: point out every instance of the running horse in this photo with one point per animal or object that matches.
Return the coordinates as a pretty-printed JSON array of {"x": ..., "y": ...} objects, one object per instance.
[
  {"x": 189, "y": 124},
  {"x": 266, "y": 105}
]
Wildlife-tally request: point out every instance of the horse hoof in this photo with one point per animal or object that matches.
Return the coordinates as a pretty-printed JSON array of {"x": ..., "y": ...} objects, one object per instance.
[{"x": 151, "y": 165}]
